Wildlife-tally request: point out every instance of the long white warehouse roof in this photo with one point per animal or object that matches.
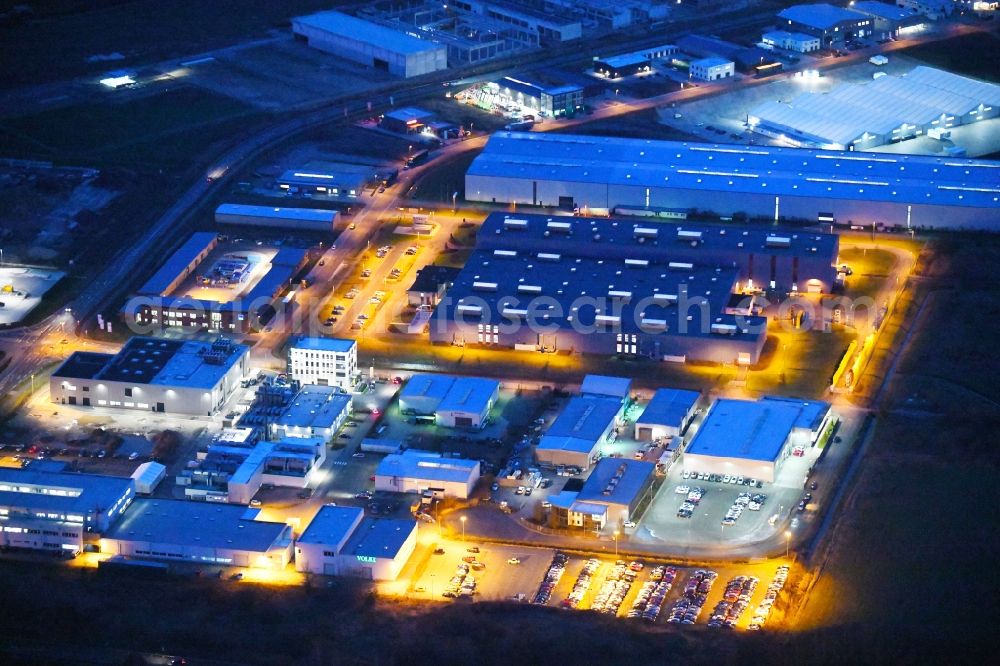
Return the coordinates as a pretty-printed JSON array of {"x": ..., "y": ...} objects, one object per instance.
[
  {"x": 914, "y": 179},
  {"x": 345, "y": 25}
]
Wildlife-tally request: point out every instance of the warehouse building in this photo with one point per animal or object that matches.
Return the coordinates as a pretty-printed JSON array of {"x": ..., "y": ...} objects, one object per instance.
[
  {"x": 407, "y": 120},
  {"x": 373, "y": 45},
  {"x": 316, "y": 411},
  {"x": 455, "y": 402},
  {"x": 754, "y": 438},
  {"x": 712, "y": 69},
  {"x": 154, "y": 305},
  {"x": 860, "y": 116},
  {"x": 547, "y": 100},
  {"x": 196, "y": 532},
  {"x": 300, "y": 219},
  {"x": 585, "y": 423},
  {"x": 323, "y": 361},
  {"x": 617, "y": 491},
  {"x": 147, "y": 477},
  {"x": 833, "y": 25},
  {"x": 649, "y": 289},
  {"x": 791, "y": 41},
  {"x": 620, "y": 66},
  {"x": 748, "y": 60},
  {"x": 932, "y": 9},
  {"x": 606, "y": 386},
  {"x": 154, "y": 374},
  {"x": 56, "y": 511},
  {"x": 887, "y": 19},
  {"x": 331, "y": 179},
  {"x": 533, "y": 26},
  {"x": 762, "y": 182},
  {"x": 667, "y": 415},
  {"x": 416, "y": 471},
  {"x": 340, "y": 541}
]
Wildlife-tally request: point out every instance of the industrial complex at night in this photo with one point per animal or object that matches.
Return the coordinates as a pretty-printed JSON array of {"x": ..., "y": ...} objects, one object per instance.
[{"x": 560, "y": 331}]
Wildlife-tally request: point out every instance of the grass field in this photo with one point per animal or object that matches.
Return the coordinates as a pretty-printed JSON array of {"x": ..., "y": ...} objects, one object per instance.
[
  {"x": 61, "y": 35},
  {"x": 166, "y": 129}
]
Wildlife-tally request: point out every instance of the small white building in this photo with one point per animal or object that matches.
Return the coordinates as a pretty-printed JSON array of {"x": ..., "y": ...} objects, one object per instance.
[
  {"x": 380, "y": 47},
  {"x": 340, "y": 541},
  {"x": 791, "y": 41},
  {"x": 667, "y": 414},
  {"x": 712, "y": 69},
  {"x": 323, "y": 361},
  {"x": 468, "y": 403},
  {"x": 147, "y": 476},
  {"x": 184, "y": 531},
  {"x": 292, "y": 462},
  {"x": 416, "y": 471},
  {"x": 316, "y": 411}
]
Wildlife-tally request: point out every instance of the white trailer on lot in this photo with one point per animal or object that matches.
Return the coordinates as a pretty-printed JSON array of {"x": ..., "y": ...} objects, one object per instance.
[{"x": 147, "y": 476}]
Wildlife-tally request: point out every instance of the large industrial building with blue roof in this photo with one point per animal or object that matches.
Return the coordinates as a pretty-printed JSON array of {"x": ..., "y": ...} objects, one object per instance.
[
  {"x": 340, "y": 541},
  {"x": 753, "y": 439},
  {"x": 454, "y": 401},
  {"x": 761, "y": 182},
  {"x": 600, "y": 286}
]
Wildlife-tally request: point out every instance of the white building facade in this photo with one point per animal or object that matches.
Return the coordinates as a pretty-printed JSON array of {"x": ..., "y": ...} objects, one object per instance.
[
  {"x": 323, "y": 361},
  {"x": 712, "y": 69}
]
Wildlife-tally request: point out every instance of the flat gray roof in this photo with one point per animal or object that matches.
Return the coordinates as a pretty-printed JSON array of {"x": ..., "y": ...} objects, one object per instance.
[
  {"x": 584, "y": 418},
  {"x": 196, "y": 524},
  {"x": 351, "y": 27},
  {"x": 469, "y": 394},
  {"x": 178, "y": 261},
  {"x": 315, "y": 407},
  {"x": 414, "y": 464},
  {"x": 914, "y": 179},
  {"x": 821, "y": 16}
]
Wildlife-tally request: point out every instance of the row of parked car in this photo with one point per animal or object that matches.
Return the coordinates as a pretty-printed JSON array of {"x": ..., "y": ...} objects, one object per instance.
[
  {"x": 743, "y": 501},
  {"x": 731, "y": 479},
  {"x": 616, "y": 585},
  {"x": 552, "y": 576},
  {"x": 651, "y": 595},
  {"x": 582, "y": 583},
  {"x": 764, "y": 607},
  {"x": 462, "y": 584},
  {"x": 694, "y": 496},
  {"x": 734, "y": 602},
  {"x": 687, "y": 609}
]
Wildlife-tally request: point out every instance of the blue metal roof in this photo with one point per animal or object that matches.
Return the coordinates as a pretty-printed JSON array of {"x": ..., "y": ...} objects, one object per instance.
[
  {"x": 884, "y": 10},
  {"x": 382, "y": 537},
  {"x": 87, "y": 492},
  {"x": 357, "y": 29},
  {"x": 584, "y": 418},
  {"x": 337, "y": 345},
  {"x": 196, "y": 524},
  {"x": 632, "y": 476},
  {"x": 753, "y": 430},
  {"x": 332, "y": 525},
  {"x": 425, "y": 385},
  {"x": 279, "y": 213},
  {"x": 615, "y": 387},
  {"x": 821, "y": 16},
  {"x": 914, "y": 179},
  {"x": 469, "y": 394},
  {"x": 668, "y": 407}
]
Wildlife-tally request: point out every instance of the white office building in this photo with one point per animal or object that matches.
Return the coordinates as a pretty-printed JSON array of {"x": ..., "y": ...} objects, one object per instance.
[
  {"x": 153, "y": 374},
  {"x": 712, "y": 69},
  {"x": 316, "y": 411},
  {"x": 323, "y": 361}
]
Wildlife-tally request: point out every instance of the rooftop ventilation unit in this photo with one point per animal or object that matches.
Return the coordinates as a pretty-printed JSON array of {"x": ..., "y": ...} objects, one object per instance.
[
  {"x": 548, "y": 256},
  {"x": 680, "y": 266},
  {"x": 778, "y": 241},
  {"x": 484, "y": 286},
  {"x": 646, "y": 232},
  {"x": 684, "y": 235},
  {"x": 560, "y": 227},
  {"x": 515, "y": 223},
  {"x": 724, "y": 329},
  {"x": 504, "y": 253},
  {"x": 637, "y": 263},
  {"x": 529, "y": 289}
]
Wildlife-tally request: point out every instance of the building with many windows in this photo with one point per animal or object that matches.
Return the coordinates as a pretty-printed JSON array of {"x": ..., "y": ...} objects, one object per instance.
[
  {"x": 833, "y": 25},
  {"x": 617, "y": 491},
  {"x": 153, "y": 374},
  {"x": 315, "y": 411},
  {"x": 57, "y": 511},
  {"x": 323, "y": 361},
  {"x": 712, "y": 69},
  {"x": 414, "y": 471}
]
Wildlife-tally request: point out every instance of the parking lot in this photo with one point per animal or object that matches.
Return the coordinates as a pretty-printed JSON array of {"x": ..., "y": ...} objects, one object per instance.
[{"x": 643, "y": 590}]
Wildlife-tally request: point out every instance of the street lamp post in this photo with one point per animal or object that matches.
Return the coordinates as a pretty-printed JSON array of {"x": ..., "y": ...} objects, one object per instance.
[
  {"x": 462, "y": 519},
  {"x": 788, "y": 539},
  {"x": 616, "y": 543}
]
